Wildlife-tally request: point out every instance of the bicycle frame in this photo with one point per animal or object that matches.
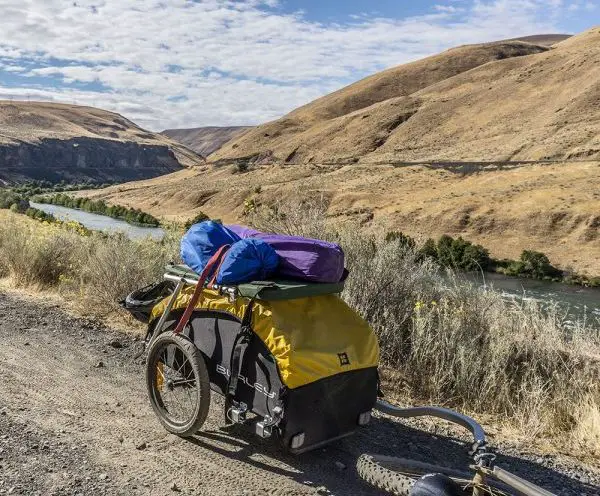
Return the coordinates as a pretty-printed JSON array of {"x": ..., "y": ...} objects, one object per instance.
[{"x": 484, "y": 460}]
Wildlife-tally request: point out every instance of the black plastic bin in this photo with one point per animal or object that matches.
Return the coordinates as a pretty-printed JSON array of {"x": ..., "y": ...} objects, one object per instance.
[{"x": 140, "y": 302}]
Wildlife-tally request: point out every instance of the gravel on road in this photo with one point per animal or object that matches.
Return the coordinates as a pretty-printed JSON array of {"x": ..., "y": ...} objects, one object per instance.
[{"x": 70, "y": 426}]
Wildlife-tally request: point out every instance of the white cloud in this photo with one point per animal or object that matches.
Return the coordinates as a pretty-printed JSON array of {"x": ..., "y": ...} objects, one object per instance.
[{"x": 175, "y": 63}]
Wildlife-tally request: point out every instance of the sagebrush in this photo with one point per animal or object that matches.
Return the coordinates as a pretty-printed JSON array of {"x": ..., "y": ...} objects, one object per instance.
[{"x": 452, "y": 343}]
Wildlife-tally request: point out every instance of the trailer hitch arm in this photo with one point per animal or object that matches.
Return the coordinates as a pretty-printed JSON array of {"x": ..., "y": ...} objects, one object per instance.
[{"x": 434, "y": 411}]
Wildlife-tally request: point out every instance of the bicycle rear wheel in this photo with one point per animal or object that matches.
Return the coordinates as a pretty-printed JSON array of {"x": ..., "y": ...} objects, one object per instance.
[{"x": 397, "y": 476}]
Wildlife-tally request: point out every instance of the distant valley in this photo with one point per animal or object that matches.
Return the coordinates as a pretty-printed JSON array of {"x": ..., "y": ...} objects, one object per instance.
[{"x": 205, "y": 140}]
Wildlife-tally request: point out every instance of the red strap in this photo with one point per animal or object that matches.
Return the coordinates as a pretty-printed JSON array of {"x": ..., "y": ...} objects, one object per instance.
[
  {"x": 210, "y": 266},
  {"x": 213, "y": 280}
]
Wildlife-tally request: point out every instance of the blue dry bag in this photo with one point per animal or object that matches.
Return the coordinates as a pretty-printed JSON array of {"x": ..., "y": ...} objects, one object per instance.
[
  {"x": 247, "y": 260},
  {"x": 202, "y": 241}
]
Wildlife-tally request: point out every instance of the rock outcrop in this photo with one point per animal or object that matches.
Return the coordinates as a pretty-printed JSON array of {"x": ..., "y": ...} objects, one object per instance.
[{"x": 54, "y": 142}]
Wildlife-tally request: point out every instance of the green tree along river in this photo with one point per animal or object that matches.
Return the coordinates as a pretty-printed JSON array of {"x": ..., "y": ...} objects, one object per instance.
[
  {"x": 131, "y": 215},
  {"x": 100, "y": 222}
]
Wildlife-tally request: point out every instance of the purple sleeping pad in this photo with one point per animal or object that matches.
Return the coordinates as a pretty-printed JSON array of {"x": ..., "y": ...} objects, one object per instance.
[{"x": 301, "y": 258}]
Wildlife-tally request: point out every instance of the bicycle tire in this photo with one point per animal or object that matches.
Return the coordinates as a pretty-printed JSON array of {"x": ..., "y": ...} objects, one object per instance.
[
  {"x": 397, "y": 476},
  {"x": 193, "y": 355}
]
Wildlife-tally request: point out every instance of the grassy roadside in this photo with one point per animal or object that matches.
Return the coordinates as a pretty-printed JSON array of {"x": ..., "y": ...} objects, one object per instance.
[{"x": 442, "y": 340}]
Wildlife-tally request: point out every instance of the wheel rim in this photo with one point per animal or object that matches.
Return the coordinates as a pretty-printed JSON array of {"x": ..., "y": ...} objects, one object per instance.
[
  {"x": 175, "y": 385},
  {"x": 467, "y": 484}
]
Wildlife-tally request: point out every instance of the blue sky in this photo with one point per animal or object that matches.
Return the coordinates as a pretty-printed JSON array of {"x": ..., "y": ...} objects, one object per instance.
[
  {"x": 183, "y": 63},
  {"x": 328, "y": 11}
]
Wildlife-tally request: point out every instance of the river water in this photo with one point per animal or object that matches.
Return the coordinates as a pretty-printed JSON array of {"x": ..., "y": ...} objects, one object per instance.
[
  {"x": 577, "y": 302},
  {"x": 100, "y": 222}
]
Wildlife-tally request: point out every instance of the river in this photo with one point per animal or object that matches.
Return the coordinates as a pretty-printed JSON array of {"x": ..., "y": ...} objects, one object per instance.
[
  {"x": 576, "y": 301},
  {"x": 100, "y": 222}
]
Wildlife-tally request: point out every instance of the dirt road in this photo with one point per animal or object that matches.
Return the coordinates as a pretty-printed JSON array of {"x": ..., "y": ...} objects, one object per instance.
[{"x": 75, "y": 420}]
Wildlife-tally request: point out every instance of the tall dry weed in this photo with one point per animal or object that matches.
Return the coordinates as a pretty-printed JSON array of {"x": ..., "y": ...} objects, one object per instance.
[
  {"x": 460, "y": 345},
  {"x": 33, "y": 256},
  {"x": 98, "y": 270}
]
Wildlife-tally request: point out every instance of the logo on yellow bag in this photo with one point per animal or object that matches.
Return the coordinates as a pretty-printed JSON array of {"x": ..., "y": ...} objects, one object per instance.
[{"x": 344, "y": 360}]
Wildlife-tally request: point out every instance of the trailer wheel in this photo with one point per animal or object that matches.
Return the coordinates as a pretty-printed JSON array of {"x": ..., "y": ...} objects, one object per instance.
[{"x": 178, "y": 384}]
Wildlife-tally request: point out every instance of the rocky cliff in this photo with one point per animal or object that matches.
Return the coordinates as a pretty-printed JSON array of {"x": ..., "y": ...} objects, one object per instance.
[{"x": 58, "y": 142}]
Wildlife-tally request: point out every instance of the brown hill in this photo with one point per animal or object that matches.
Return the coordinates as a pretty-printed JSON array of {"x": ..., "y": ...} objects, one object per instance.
[
  {"x": 553, "y": 208},
  {"x": 514, "y": 103},
  {"x": 55, "y": 141},
  {"x": 205, "y": 140},
  {"x": 543, "y": 39},
  {"x": 493, "y": 102}
]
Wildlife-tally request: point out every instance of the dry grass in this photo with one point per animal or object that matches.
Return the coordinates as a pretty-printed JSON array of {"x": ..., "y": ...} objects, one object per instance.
[
  {"x": 448, "y": 342},
  {"x": 31, "y": 256},
  {"x": 96, "y": 270},
  {"x": 548, "y": 208}
]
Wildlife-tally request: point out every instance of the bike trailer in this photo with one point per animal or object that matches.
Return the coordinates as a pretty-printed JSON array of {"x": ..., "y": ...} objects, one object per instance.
[
  {"x": 290, "y": 352},
  {"x": 293, "y": 359}
]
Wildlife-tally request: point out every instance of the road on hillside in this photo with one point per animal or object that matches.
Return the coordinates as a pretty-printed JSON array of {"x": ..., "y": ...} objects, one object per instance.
[{"x": 75, "y": 420}]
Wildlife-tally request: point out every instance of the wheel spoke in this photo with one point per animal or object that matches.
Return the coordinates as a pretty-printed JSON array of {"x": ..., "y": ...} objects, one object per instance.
[
  {"x": 178, "y": 384},
  {"x": 176, "y": 377}
]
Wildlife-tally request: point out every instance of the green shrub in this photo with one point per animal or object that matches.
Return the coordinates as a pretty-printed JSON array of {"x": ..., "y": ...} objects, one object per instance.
[
  {"x": 40, "y": 215},
  {"x": 241, "y": 167},
  {"x": 401, "y": 238},
  {"x": 200, "y": 217},
  {"x": 475, "y": 257},
  {"x": 9, "y": 198},
  {"x": 445, "y": 254},
  {"x": 428, "y": 250},
  {"x": 533, "y": 264}
]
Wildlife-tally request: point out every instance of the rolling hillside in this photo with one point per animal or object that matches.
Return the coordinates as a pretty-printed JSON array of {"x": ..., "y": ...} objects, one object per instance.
[
  {"x": 205, "y": 140},
  {"x": 501, "y": 101},
  {"x": 497, "y": 143},
  {"x": 54, "y": 142}
]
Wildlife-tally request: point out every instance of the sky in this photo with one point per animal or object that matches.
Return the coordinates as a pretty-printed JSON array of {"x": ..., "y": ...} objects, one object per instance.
[{"x": 183, "y": 63}]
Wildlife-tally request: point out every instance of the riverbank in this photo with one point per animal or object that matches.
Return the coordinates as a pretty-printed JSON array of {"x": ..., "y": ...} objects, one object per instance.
[
  {"x": 550, "y": 208},
  {"x": 130, "y": 215},
  {"x": 101, "y": 223},
  {"x": 461, "y": 254}
]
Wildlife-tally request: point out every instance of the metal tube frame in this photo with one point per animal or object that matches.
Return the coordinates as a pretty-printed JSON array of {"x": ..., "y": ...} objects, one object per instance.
[
  {"x": 483, "y": 458},
  {"x": 525, "y": 487},
  {"x": 438, "y": 412},
  {"x": 181, "y": 281}
]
